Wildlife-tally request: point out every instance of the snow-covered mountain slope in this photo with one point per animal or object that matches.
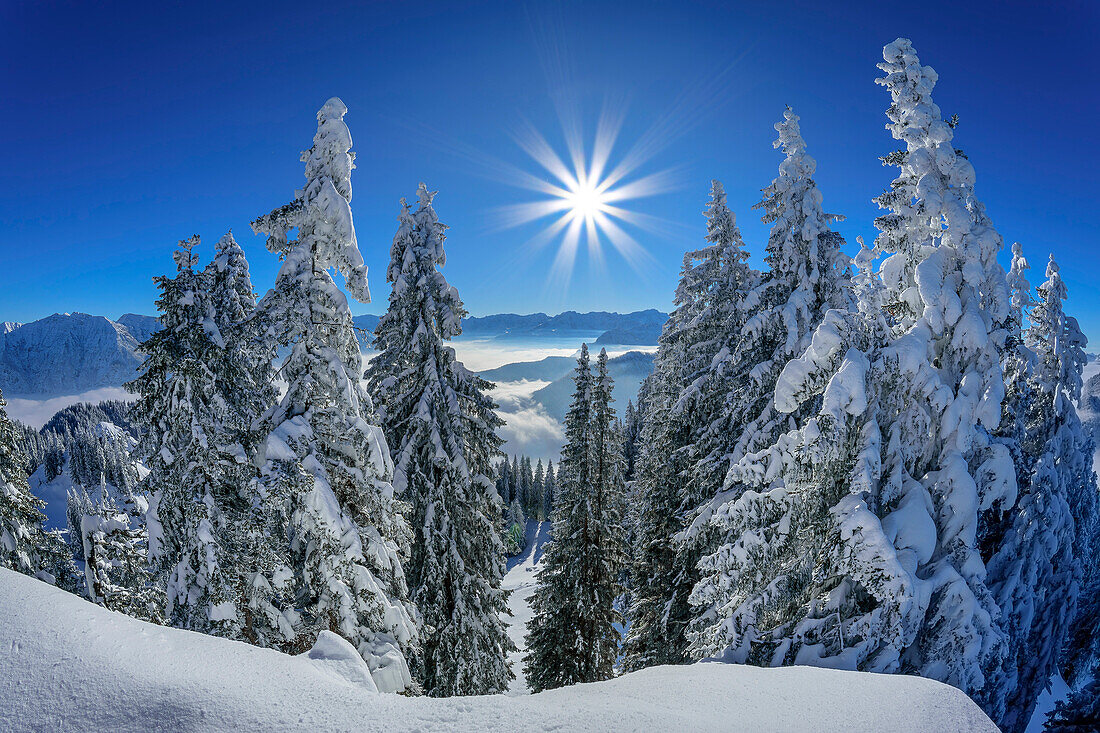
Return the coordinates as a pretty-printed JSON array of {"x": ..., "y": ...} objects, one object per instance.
[
  {"x": 628, "y": 371},
  {"x": 66, "y": 353},
  {"x": 520, "y": 581},
  {"x": 140, "y": 327},
  {"x": 535, "y": 323},
  {"x": 70, "y": 665},
  {"x": 635, "y": 335},
  {"x": 547, "y": 370}
]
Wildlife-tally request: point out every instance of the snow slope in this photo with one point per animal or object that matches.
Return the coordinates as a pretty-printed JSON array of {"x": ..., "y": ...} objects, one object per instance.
[
  {"x": 520, "y": 580},
  {"x": 628, "y": 370},
  {"x": 67, "y": 664},
  {"x": 65, "y": 354}
]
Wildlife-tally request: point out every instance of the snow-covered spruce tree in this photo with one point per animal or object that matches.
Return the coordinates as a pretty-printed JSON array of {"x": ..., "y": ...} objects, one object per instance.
[
  {"x": 684, "y": 395},
  {"x": 1079, "y": 713},
  {"x": 322, "y": 455},
  {"x": 514, "y": 529},
  {"x": 442, "y": 429},
  {"x": 569, "y": 638},
  {"x": 806, "y": 574},
  {"x": 527, "y": 487},
  {"x": 606, "y": 556},
  {"x": 550, "y": 490},
  {"x": 250, "y": 524},
  {"x": 808, "y": 275},
  {"x": 504, "y": 486},
  {"x": 77, "y": 504},
  {"x": 632, "y": 429},
  {"x": 114, "y": 545},
  {"x": 25, "y": 545},
  {"x": 891, "y": 475},
  {"x": 180, "y": 406},
  {"x": 538, "y": 490},
  {"x": 1035, "y": 573},
  {"x": 1064, "y": 480},
  {"x": 949, "y": 302}
]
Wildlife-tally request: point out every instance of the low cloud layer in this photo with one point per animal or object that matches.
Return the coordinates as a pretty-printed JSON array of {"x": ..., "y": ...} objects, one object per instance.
[
  {"x": 36, "y": 412},
  {"x": 529, "y": 429}
]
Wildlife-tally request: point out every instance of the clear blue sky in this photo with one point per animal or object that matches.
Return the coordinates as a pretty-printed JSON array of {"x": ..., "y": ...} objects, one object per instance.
[{"x": 125, "y": 129}]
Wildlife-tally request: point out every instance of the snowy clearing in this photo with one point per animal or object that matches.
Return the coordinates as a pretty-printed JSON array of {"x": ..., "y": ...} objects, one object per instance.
[
  {"x": 67, "y": 662},
  {"x": 520, "y": 580}
]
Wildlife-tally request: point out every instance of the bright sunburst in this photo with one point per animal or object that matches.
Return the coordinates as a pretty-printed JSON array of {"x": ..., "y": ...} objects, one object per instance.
[
  {"x": 586, "y": 201},
  {"x": 586, "y": 197}
]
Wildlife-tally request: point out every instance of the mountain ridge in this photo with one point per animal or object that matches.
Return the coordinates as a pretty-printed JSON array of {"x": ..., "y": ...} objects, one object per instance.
[
  {"x": 66, "y": 353},
  {"x": 72, "y": 353}
]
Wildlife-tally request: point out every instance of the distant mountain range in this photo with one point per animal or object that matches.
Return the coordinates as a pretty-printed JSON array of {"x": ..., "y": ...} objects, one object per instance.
[
  {"x": 511, "y": 324},
  {"x": 627, "y": 370},
  {"x": 543, "y": 370},
  {"x": 72, "y": 353},
  {"x": 640, "y": 328},
  {"x": 637, "y": 328},
  {"x": 69, "y": 353}
]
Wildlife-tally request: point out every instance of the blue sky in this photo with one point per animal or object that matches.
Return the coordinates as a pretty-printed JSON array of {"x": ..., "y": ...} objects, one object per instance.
[{"x": 126, "y": 128}]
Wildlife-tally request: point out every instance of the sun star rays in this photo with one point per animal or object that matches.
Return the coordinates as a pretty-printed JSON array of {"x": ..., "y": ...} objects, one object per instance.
[{"x": 586, "y": 197}]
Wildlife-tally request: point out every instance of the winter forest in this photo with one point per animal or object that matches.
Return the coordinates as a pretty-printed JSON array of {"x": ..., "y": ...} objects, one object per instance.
[{"x": 868, "y": 464}]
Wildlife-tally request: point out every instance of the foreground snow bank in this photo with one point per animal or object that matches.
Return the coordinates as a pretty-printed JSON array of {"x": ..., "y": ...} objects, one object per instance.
[{"x": 67, "y": 664}]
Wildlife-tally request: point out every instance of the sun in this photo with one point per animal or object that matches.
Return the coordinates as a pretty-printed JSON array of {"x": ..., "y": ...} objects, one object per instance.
[
  {"x": 584, "y": 195},
  {"x": 586, "y": 201}
]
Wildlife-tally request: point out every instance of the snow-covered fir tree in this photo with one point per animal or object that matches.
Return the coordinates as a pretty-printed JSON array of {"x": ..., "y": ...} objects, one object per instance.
[
  {"x": 949, "y": 303},
  {"x": 858, "y": 546},
  {"x": 684, "y": 400},
  {"x": 114, "y": 546},
  {"x": 504, "y": 484},
  {"x": 25, "y": 544},
  {"x": 514, "y": 529},
  {"x": 322, "y": 456},
  {"x": 549, "y": 488},
  {"x": 442, "y": 428},
  {"x": 807, "y": 276},
  {"x": 1079, "y": 713},
  {"x": 572, "y": 637},
  {"x": 948, "y": 300},
  {"x": 607, "y": 554},
  {"x": 632, "y": 429},
  {"x": 181, "y": 406},
  {"x": 250, "y": 525},
  {"x": 1065, "y": 517},
  {"x": 77, "y": 504},
  {"x": 538, "y": 490},
  {"x": 1037, "y": 571}
]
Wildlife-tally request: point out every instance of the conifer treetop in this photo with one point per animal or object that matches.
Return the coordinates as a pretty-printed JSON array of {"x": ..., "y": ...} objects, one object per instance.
[{"x": 321, "y": 210}]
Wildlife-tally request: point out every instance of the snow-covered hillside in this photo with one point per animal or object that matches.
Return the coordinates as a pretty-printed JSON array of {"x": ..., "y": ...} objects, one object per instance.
[
  {"x": 140, "y": 327},
  {"x": 569, "y": 321},
  {"x": 66, "y": 354},
  {"x": 68, "y": 664},
  {"x": 628, "y": 370},
  {"x": 520, "y": 581}
]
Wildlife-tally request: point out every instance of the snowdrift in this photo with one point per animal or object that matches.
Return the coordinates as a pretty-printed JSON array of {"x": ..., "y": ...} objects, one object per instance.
[{"x": 68, "y": 664}]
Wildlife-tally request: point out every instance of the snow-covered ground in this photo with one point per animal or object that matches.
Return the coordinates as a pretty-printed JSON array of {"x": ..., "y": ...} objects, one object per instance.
[
  {"x": 520, "y": 580},
  {"x": 66, "y": 664}
]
